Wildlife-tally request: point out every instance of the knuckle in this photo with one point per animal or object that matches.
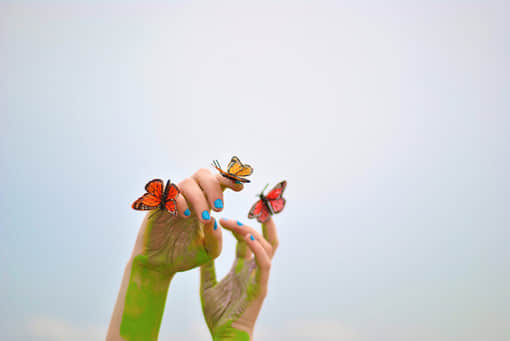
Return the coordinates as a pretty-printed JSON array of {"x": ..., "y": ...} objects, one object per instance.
[
  {"x": 185, "y": 182},
  {"x": 267, "y": 265},
  {"x": 276, "y": 243},
  {"x": 203, "y": 171}
]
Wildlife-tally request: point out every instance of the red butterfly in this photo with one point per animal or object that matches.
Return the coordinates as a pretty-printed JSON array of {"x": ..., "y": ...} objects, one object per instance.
[
  {"x": 270, "y": 204},
  {"x": 157, "y": 197}
]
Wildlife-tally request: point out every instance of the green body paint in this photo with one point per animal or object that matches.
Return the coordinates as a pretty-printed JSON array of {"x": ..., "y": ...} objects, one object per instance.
[
  {"x": 229, "y": 333},
  {"x": 224, "y": 302},
  {"x": 170, "y": 244},
  {"x": 228, "y": 302},
  {"x": 145, "y": 302}
]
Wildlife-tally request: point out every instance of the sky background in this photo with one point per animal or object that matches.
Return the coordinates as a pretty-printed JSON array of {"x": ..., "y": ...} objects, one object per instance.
[{"x": 389, "y": 119}]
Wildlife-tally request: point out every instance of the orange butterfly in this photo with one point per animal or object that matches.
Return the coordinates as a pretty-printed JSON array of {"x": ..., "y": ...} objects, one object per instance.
[
  {"x": 235, "y": 170},
  {"x": 157, "y": 197}
]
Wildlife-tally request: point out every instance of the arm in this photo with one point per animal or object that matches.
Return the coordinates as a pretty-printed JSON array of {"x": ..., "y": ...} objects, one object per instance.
[
  {"x": 166, "y": 245},
  {"x": 232, "y": 305}
]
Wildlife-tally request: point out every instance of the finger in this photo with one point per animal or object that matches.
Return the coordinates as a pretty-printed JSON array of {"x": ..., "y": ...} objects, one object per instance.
[
  {"x": 212, "y": 188},
  {"x": 270, "y": 234},
  {"x": 261, "y": 258},
  {"x": 196, "y": 198},
  {"x": 227, "y": 183},
  {"x": 182, "y": 207},
  {"x": 242, "y": 250},
  {"x": 242, "y": 229},
  {"x": 212, "y": 239}
]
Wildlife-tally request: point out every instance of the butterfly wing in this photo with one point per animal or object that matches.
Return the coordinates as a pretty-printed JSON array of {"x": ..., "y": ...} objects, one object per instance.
[
  {"x": 277, "y": 191},
  {"x": 256, "y": 209},
  {"x": 171, "y": 192},
  {"x": 277, "y": 205},
  {"x": 148, "y": 201},
  {"x": 171, "y": 206},
  {"x": 236, "y": 167},
  {"x": 264, "y": 215},
  {"x": 151, "y": 199},
  {"x": 155, "y": 187},
  {"x": 260, "y": 211}
]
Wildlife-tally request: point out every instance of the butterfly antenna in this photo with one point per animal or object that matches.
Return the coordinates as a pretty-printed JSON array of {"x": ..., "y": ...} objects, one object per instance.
[{"x": 264, "y": 189}]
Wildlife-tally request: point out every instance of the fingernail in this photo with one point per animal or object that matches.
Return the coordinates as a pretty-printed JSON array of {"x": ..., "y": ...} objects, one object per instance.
[
  {"x": 239, "y": 223},
  {"x": 218, "y": 203},
  {"x": 215, "y": 225},
  {"x": 205, "y": 215},
  {"x": 251, "y": 237},
  {"x": 237, "y": 182},
  {"x": 187, "y": 212}
]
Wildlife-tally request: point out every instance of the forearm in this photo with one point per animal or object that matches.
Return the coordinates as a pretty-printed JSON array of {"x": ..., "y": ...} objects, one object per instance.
[{"x": 140, "y": 304}]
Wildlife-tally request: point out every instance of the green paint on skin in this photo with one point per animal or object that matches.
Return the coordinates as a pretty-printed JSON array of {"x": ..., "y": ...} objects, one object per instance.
[
  {"x": 229, "y": 333},
  {"x": 239, "y": 265},
  {"x": 145, "y": 301},
  {"x": 226, "y": 301},
  {"x": 170, "y": 245}
]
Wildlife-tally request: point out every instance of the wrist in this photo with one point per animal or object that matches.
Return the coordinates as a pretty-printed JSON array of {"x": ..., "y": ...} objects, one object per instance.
[{"x": 228, "y": 333}]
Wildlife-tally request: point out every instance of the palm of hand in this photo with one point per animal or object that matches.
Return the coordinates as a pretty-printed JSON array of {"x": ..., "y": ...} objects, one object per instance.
[
  {"x": 227, "y": 300},
  {"x": 172, "y": 243}
]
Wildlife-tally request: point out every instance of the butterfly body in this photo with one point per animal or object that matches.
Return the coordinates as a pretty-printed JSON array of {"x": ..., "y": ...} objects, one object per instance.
[
  {"x": 236, "y": 170},
  {"x": 269, "y": 204},
  {"x": 158, "y": 196}
]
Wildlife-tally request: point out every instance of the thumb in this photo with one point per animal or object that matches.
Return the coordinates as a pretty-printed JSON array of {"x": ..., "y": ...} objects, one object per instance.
[
  {"x": 212, "y": 239},
  {"x": 212, "y": 244}
]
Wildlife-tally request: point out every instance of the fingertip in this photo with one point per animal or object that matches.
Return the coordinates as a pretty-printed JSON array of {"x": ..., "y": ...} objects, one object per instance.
[
  {"x": 237, "y": 186},
  {"x": 218, "y": 205},
  {"x": 205, "y": 216}
]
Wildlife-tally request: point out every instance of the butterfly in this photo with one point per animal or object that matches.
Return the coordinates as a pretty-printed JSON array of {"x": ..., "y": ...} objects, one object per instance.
[
  {"x": 235, "y": 170},
  {"x": 157, "y": 197},
  {"x": 270, "y": 204}
]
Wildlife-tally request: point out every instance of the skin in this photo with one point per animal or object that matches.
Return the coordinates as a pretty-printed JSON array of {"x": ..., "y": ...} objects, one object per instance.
[
  {"x": 166, "y": 245},
  {"x": 232, "y": 305}
]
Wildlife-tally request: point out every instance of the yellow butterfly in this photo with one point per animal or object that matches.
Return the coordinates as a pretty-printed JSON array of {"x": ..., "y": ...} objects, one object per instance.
[{"x": 235, "y": 170}]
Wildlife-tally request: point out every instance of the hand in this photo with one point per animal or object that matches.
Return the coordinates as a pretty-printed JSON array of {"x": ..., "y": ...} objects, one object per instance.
[
  {"x": 231, "y": 306},
  {"x": 166, "y": 245},
  {"x": 179, "y": 243}
]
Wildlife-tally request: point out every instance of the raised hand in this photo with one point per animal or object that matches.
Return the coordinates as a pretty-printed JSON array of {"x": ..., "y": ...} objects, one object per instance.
[
  {"x": 165, "y": 245},
  {"x": 179, "y": 243},
  {"x": 231, "y": 306}
]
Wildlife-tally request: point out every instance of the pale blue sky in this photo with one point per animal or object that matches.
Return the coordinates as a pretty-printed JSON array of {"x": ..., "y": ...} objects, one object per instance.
[{"x": 389, "y": 120}]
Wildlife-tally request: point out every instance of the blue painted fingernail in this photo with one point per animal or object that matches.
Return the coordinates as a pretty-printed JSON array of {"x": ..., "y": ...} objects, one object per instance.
[
  {"x": 215, "y": 225},
  {"x": 187, "y": 212},
  {"x": 237, "y": 182},
  {"x": 251, "y": 237},
  {"x": 205, "y": 215},
  {"x": 239, "y": 223},
  {"x": 218, "y": 203}
]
